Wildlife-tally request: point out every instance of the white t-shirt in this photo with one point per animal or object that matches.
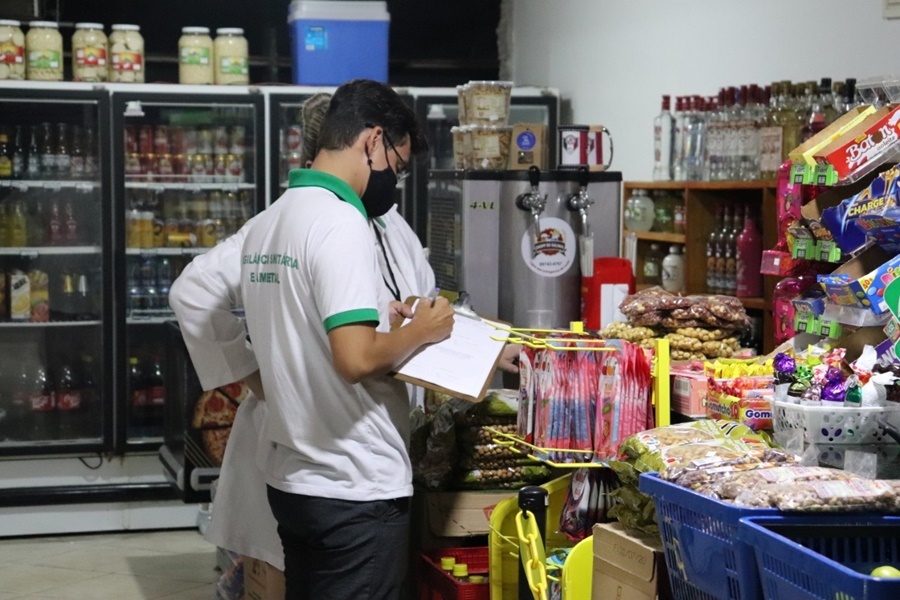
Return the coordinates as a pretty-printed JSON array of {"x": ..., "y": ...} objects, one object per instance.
[{"x": 308, "y": 265}]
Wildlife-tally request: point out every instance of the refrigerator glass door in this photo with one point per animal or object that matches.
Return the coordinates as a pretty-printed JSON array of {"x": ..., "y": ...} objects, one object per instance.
[
  {"x": 54, "y": 273},
  {"x": 190, "y": 173}
]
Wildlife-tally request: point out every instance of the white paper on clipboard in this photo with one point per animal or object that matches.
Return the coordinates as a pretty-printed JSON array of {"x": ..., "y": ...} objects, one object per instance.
[{"x": 464, "y": 362}]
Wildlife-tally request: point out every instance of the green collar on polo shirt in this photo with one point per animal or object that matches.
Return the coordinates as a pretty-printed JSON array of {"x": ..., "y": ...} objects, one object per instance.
[{"x": 310, "y": 178}]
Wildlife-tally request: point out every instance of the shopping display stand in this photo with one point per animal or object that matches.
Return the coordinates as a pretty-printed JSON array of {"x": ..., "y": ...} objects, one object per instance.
[{"x": 518, "y": 536}]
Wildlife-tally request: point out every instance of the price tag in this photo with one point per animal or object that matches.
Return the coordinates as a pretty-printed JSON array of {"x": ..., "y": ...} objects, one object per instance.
[
  {"x": 30, "y": 254},
  {"x": 53, "y": 186}
]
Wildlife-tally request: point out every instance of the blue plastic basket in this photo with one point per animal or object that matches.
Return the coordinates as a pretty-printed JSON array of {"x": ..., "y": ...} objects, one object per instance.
[
  {"x": 706, "y": 560},
  {"x": 824, "y": 557}
]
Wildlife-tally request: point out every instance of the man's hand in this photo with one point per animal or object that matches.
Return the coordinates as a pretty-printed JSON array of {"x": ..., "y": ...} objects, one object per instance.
[
  {"x": 398, "y": 311},
  {"x": 433, "y": 320},
  {"x": 254, "y": 382},
  {"x": 509, "y": 358}
]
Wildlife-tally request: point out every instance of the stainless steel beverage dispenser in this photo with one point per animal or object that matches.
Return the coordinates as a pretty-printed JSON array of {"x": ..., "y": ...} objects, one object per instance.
[{"x": 515, "y": 240}]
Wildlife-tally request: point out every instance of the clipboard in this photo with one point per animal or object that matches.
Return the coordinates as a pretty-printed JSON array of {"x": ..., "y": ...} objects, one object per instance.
[{"x": 441, "y": 381}]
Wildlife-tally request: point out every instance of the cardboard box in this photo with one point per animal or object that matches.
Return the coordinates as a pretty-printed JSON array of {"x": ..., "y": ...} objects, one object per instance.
[
  {"x": 262, "y": 581},
  {"x": 628, "y": 566},
  {"x": 805, "y": 151},
  {"x": 755, "y": 413},
  {"x": 861, "y": 280},
  {"x": 528, "y": 147},
  {"x": 459, "y": 514},
  {"x": 689, "y": 393},
  {"x": 864, "y": 144}
]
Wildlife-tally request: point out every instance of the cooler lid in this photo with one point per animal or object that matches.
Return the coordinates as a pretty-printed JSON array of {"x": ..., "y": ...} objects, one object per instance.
[{"x": 338, "y": 10}]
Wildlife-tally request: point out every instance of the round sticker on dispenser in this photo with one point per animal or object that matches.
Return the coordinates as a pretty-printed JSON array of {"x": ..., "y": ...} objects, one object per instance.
[
  {"x": 552, "y": 251},
  {"x": 526, "y": 140}
]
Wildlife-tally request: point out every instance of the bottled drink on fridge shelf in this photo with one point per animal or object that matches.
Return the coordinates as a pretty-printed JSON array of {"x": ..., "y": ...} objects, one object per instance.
[
  {"x": 663, "y": 131},
  {"x": 65, "y": 301},
  {"x": 17, "y": 225},
  {"x": 18, "y": 154},
  {"x": 47, "y": 152},
  {"x": 6, "y": 165},
  {"x": 19, "y": 409},
  {"x": 37, "y": 222},
  {"x": 63, "y": 160},
  {"x": 156, "y": 396},
  {"x": 139, "y": 420},
  {"x": 70, "y": 402},
  {"x": 749, "y": 259},
  {"x": 33, "y": 162},
  {"x": 43, "y": 419}
]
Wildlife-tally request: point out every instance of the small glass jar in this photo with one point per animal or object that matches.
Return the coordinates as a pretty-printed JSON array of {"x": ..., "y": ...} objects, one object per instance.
[
  {"x": 639, "y": 211},
  {"x": 126, "y": 50},
  {"x": 44, "y": 50},
  {"x": 12, "y": 50},
  {"x": 232, "y": 60},
  {"x": 196, "y": 56},
  {"x": 89, "y": 52}
]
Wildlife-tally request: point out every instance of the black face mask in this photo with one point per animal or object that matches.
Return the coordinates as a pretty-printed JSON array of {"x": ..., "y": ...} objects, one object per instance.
[{"x": 379, "y": 195}]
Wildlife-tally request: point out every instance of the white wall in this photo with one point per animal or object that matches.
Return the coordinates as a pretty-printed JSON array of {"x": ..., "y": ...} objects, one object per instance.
[{"x": 616, "y": 58}]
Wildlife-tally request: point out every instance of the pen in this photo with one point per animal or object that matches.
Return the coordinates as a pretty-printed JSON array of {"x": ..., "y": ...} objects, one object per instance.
[{"x": 433, "y": 295}]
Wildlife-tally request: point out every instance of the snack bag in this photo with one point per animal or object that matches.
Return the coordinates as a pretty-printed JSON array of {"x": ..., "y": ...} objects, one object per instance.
[
  {"x": 738, "y": 483},
  {"x": 831, "y": 496}
]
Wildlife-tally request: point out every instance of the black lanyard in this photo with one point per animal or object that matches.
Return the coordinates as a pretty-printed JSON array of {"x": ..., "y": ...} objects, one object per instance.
[{"x": 395, "y": 291}]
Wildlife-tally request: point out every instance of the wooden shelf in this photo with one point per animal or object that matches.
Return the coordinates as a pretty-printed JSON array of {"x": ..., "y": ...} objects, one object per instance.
[
  {"x": 656, "y": 236},
  {"x": 755, "y": 303},
  {"x": 700, "y": 185}
]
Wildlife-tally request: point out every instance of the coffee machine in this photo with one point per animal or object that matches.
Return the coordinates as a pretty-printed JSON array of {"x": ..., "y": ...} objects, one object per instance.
[{"x": 519, "y": 242}]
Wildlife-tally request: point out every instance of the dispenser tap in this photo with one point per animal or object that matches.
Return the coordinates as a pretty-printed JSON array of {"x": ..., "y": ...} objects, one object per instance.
[
  {"x": 533, "y": 201},
  {"x": 580, "y": 202}
]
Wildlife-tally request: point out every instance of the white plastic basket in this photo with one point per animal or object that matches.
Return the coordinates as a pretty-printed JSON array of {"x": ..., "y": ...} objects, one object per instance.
[{"x": 836, "y": 425}]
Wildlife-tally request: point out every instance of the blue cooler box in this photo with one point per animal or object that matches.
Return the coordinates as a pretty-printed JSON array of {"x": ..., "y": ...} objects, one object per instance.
[{"x": 333, "y": 41}]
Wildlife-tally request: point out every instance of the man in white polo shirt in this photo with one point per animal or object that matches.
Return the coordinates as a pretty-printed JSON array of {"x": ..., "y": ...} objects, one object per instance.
[{"x": 338, "y": 473}]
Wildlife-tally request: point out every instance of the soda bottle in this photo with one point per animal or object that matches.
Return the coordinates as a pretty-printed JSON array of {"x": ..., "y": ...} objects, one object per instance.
[
  {"x": 156, "y": 398},
  {"x": 89, "y": 397},
  {"x": 70, "y": 405},
  {"x": 136, "y": 298},
  {"x": 33, "y": 163},
  {"x": 83, "y": 301},
  {"x": 17, "y": 226},
  {"x": 37, "y": 223},
  {"x": 6, "y": 167},
  {"x": 138, "y": 395},
  {"x": 91, "y": 154},
  {"x": 18, "y": 409},
  {"x": 47, "y": 152},
  {"x": 63, "y": 160},
  {"x": 164, "y": 276},
  {"x": 76, "y": 161},
  {"x": 18, "y": 154},
  {"x": 55, "y": 231},
  {"x": 43, "y": 421},
  {"x": 63, "y": 307},
  {"x": 148, "y": 281},
  {"x": 70, "y": 224}
]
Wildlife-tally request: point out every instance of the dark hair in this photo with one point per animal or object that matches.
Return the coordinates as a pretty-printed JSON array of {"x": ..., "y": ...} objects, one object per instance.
[
  {"x": 313, "y": 113},
  {"x": 362, "y": 103}
]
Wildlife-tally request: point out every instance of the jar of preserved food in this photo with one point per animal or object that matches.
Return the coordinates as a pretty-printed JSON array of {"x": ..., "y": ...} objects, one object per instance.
[
  {"x": 232, "y": 64},
  {"x": 44, "y": 47},
  {"x": 12, "y": 50},
  {"x": 639, "y": 211},
  {"x": 126, "y": 49},
  {"x": 196, "y": 56},
  {"x": 89, "y": 52}
]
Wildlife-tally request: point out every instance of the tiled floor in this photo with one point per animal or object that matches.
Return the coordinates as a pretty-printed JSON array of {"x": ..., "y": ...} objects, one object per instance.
[{"x": 160, "y": 565}]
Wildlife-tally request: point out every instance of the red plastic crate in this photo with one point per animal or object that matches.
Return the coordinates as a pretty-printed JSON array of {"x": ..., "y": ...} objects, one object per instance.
[{"x": 436, "y": 584}]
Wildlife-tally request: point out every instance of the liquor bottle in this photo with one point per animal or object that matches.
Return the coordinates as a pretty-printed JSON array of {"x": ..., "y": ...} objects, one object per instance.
[
  {"x": 815, "y": 117},
  {"x": 63, "y": 160},
  {"x": 33, "y": 162},
  {"x": 721, "y": 244},
  {"x": 138, "y": 404},
  {"x": 792, "y": 120},
  {"x": 826, "y": 99},
  {"x": 43, "y": 418},
  {"x": 695, "y": 140},
  {"x": 663, "y": 130},
  {"x": 715, "y": 140},
  {"x": 65, "y": 300},
  {"x": 92, "y": 154},
  {"x": 47, "y": 152},
  {"x": 770, "y": 136},
  {"x": 18, "y": 154},
  {"x": 70, "y": 224},
  {"x": 17, "y": 226},
  {"x": 749, "y": 259},
  {"x": 849, "y": 100},
  {"x": 156, "y": 397},
  {"x": 77, "y": 160},
  {"x": 84, "y": 302},
  {"x": 734, "y": 228},
  {"x": 713, "y": 276},
  {"x": 55, "y": 225},
  {"x": 678, "y": 141},
  {"x": 70, "y": 403},
  {"x": 37, "y": 223},
  {"x": 6, "y": 165}
]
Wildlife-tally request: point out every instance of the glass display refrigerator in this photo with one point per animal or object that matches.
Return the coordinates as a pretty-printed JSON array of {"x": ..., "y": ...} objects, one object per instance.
[
  {"x": 188, "y": 171},
  {"x": 56, "y": 315},
  {"x": 438, "y": 111}
]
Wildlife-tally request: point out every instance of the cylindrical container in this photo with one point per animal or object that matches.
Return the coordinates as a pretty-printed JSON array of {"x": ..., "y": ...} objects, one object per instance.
[
  {"x": 221, "y": 142},
  {"x": 234, "y": 168},
  {"x": 673, "y": 270},
  {"x": 461, "y": 99},
  {"x": 487, "y": 102},
  {"x": 238, "y": 145},
  {"x": 490, "y": 146},
  {"x": 126, "y": 54},
  {"x": 196, "y": 56},
  {"x": 12, "y": 50},
  {"x": 204, "y": 141},
  {"x": 639, "y": 211},
  {"x": 459, "y": 147},
  {"x": 89, "y": 52},
  {"x": 44, "y": 45},
  {"x": 232, "y": 64}
]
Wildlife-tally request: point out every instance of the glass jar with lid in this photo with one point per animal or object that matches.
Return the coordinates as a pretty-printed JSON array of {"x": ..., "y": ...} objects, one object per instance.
[
  {"x": 232, "y": 62},
  {"x": 89, "y": 52},
  {"x": 639, "y": 212},
  {"x": 12, "y": 50},
  {"x": 196, "y": 56},
  {"x": 126, "y": 54},
  {"x": 664, "y": 213},
  {"x": 44, "y": 52}
]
